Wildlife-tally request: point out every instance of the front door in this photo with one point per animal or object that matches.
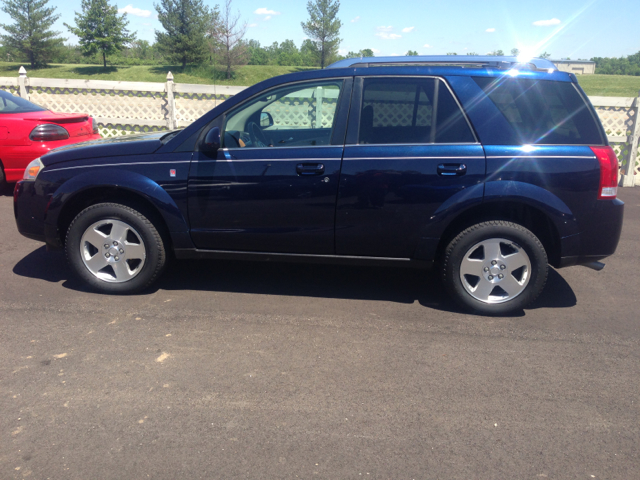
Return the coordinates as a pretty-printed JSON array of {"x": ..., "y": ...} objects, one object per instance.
[{"x": 272, "y": 186}]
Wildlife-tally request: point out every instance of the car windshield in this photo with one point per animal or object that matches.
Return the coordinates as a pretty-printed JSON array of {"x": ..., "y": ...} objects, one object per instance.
[{"x": 11, "y": 104}]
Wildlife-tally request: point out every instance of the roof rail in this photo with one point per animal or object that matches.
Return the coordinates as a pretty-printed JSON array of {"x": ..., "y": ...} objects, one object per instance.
[{"x": 478, "y": 61}]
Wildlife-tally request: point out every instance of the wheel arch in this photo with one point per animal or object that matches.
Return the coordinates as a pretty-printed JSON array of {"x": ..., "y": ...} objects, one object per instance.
[
  {"x": 513, "y": 210},
  {"x": 132, "y": 189}
]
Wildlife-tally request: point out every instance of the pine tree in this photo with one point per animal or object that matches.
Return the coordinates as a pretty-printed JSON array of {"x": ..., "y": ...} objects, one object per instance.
[
  {"x": 186, "y": 24},
  {"x": 31, "y": 34},
  {"x": 100, "y": 29},
  {"x": 323, "y": 28}
]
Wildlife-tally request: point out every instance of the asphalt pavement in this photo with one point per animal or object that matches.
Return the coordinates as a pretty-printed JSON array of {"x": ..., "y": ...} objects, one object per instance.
[{"x": 265, "y": 370}]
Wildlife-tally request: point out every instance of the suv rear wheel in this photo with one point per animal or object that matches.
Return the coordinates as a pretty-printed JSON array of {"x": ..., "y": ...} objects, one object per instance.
[
  {"x": 115, "y": 248},
  {"x": 495, "y": 267}
]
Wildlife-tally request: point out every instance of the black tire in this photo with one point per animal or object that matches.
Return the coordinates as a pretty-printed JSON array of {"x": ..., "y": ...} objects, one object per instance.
[
  {"x": 487, "y": 233},
  {"x": 152, "y": 242},
  {"x": 3, "y": 183}
]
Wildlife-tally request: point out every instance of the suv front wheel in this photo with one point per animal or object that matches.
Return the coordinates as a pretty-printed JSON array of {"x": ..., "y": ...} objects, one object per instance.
[
  {"x": 115, "y": 248},
  {"x": 495, "y": 267}
]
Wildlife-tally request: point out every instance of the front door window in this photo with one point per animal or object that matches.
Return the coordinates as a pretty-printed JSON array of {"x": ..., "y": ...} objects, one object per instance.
[{"x": 293, "y": 116}]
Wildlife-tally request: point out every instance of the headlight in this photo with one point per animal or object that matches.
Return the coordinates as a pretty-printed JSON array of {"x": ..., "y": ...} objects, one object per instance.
[{"x": 32, "y": 170}]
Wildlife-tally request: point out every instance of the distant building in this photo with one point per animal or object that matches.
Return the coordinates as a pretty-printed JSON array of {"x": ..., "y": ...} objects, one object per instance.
[{"x": 579, "y": 67}]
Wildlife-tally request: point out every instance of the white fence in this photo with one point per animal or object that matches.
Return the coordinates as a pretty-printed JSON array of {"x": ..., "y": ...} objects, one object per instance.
[{"x": 123, "y": 108}]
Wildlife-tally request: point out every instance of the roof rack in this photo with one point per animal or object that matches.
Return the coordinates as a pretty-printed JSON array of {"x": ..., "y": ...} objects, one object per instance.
[{"x": 478, "y": 61}]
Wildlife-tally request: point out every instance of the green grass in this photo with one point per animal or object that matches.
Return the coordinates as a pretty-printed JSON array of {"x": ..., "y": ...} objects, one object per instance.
[
  {"x": 610, "y": 85},
  {"x": 244, "y": 76},
  {"x": 600, "y": 85}
]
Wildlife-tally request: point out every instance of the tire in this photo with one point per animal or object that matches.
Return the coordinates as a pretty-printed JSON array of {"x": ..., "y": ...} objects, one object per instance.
[
  {"x": 495, "y": 267},
  {"x": 115, "y": 249},
  {"x": 3, "y": 182}
]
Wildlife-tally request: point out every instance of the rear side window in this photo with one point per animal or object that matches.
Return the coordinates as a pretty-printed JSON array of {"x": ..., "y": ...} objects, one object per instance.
[
  {"x": 542, "y": 111},
  {"x": 410, "y": 110}
]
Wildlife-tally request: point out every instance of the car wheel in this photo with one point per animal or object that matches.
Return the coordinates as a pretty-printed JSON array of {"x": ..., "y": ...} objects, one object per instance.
[
  {"x": 115, "y": 248},
  {"x": 3, "y": 183},
  {"x": 495, "y": 267}
]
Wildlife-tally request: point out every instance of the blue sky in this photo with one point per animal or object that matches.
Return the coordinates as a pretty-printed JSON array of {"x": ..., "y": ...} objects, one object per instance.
[{"x": 564, "y": 28}]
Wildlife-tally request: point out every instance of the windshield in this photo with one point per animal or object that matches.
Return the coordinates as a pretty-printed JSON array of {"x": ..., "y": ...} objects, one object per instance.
[{"x": 11, "y": 104}]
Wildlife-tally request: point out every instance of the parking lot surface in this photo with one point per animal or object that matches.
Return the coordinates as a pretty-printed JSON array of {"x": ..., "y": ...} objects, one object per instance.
[{"x": 264, "y": 370}]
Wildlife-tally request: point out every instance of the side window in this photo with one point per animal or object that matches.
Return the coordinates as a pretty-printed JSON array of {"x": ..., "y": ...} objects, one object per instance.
[
  {"x": 542, "y": 111},
  {"x": 410, "y": 110},
  {"x": 291, "y": 116}
]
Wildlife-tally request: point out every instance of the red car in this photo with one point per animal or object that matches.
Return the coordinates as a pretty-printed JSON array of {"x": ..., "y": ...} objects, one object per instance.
[{"x": 28, "y": 131}]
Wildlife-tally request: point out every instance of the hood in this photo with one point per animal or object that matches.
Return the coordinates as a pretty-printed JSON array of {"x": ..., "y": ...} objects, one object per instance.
[{"x": 108, "y": 147}]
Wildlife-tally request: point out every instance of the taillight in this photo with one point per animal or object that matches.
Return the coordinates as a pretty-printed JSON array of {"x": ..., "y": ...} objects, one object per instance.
[
  {"x": 48, "y": 132},
  {"x": 608, "y": 172},
  {"x": 95, "y": 126}
]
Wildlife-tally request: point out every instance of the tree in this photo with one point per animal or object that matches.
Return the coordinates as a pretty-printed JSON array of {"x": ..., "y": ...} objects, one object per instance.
[
  {"x": 515, "y": 52},
  {"x": 496, "y": 53},
  {"x": 411, "y": 53},
  {"x": 257, "y": 54},
  {"x": 100, "y": 29},
  {"x": 186, "y": 24},
  {"x": 232, "y": 50},
  {"x": 545, "y": 55},
  {"x": 452, "y": 53},
  {"x": 365, "y": 52},
  {"x": 323, "y": 28},
  {"x": 31, "y": 34},
  {"x": 288, "y": 53},
  {"x": 472, "y": 54}
]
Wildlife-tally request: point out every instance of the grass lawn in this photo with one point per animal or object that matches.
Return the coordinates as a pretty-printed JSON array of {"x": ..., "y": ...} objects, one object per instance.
[
  {"x": 610, "y": 85},
  {"x": 244, "y": 76},
  {"x": 600, "y": 85}
]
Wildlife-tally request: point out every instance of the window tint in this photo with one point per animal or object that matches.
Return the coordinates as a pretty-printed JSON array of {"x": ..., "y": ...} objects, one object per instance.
[
  {"x": 410, "y": 110},
  {"x": 291, "y": 116},
  {"x": 542, "y": 111}
]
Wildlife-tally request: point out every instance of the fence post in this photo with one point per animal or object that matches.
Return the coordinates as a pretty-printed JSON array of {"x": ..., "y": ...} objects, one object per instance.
[
  {"x": 22, "y": 80},
  {"x": 629, "y": 174},
  {"x": 171, "y": 104}
]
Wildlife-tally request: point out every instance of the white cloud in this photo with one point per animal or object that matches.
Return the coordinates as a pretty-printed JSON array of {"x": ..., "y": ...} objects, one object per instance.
[
  {"x": 408, "y": 29},
  {"x": 490, "y": 30},
  {"x": 268, "y": 17},
  {"x": 138, "y": 12},
  {"x": 394, "y": 55},
  {"x": 265, "y": 11},
  {"x": 388, "y": 36},
  {"x": 426, "y": 45},
  {"x": 251, "y": 25},
  {"x": 385, "y": 33},
  {"x": 355, "y": 19},
  {"x": 375, "y": 50},
  {"x": 546, "y": 23},
  {"x": 342, "y": 51}
]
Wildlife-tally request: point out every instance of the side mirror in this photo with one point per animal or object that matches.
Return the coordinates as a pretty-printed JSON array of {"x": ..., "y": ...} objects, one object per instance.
[
  {"x": 266, "y": 120},
  {"x": 211, "y": 142}
]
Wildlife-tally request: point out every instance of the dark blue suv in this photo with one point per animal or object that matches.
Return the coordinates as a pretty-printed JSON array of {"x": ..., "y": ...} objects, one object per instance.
[{"x": 488, "y": 168}]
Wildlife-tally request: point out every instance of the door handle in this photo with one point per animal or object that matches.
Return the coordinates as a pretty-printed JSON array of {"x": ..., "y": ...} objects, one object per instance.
[
  {"x": 452, "y": 169},
  {"x": 310, "y": 169}
]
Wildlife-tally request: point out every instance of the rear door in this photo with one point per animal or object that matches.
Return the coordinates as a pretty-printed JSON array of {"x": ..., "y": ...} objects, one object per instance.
[{"x": 409, "y": 150}]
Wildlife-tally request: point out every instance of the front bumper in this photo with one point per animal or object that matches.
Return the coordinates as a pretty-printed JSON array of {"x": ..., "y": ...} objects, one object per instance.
[{"x": 29, "y": 209}]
